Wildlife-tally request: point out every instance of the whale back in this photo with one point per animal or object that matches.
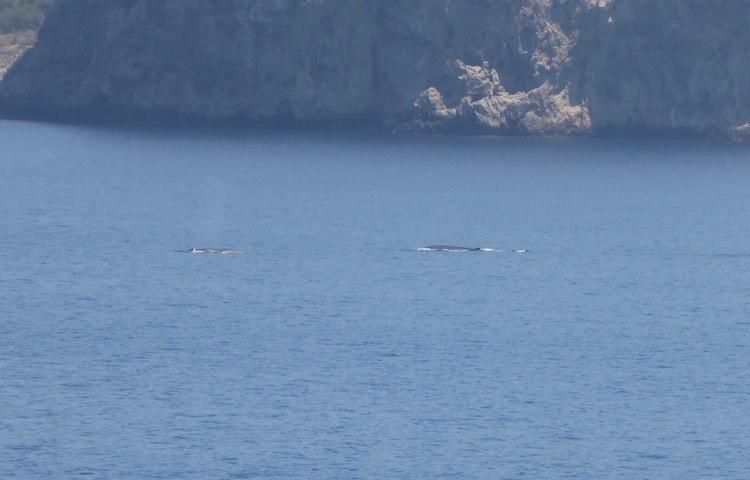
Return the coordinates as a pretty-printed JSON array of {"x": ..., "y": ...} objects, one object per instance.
[{"x": 450, "y": 248}]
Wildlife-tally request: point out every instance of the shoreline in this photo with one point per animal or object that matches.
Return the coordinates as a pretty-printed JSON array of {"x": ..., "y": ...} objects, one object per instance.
[{"x": 364, "y": 128}]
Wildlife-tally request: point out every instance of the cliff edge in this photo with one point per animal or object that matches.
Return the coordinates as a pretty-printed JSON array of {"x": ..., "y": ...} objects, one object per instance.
[
  {"x": 476, "y": 66},
  {"x": 19, "y": 22}
]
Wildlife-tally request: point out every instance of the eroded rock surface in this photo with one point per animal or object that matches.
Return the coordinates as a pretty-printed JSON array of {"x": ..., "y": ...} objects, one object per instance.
[
  {"x": 13, "y": 46},
  {"x": 480, "y": 66},
  {"x": 484, "y": 105},
  {"x": 664, "y": 65}
]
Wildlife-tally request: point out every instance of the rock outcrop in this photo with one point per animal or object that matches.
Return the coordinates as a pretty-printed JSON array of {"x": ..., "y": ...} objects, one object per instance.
[
  {"x": 740, "y": 133},
  {"x": 480, "y": 66},
  {"x": 13, "y": 46},
  {"x": 484, "y": 105}
]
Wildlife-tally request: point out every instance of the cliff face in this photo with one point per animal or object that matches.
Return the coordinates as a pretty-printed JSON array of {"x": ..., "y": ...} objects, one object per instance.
[
  {"x": 504, "y": 66},
  {"x": 260, "y": 60},
  {"x": 13, "y": 46},
  {"x": 19, "y": 22},
  {"x": 666, "y": 64}
]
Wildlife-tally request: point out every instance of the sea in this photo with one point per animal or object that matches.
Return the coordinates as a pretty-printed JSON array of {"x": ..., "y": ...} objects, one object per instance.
[{"x": 603, "y": 332}]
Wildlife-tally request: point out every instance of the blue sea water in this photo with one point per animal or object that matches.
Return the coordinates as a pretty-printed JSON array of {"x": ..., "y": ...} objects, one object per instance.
[{"x": 616, "y": 347}]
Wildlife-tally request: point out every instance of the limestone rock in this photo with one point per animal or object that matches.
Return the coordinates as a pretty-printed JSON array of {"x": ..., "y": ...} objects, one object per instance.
[
  {"x": 486, "y": 106},
  {"x": 431, "y": 105},
  {"x": 667, "y": 65},
  {"x": 554, "y": 114},
  {"x": 555, "y": 67},
  {"x": 13, "y": 46},
  {"x": 740, "y": 133}
]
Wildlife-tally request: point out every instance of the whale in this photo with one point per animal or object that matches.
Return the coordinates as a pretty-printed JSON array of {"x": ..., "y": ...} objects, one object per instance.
[
  {"x": 448, "y": 248},
  {"x": 216, "y": 251}
]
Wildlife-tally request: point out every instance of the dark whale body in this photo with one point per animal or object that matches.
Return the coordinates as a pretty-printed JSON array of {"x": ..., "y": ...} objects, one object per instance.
[{"x": 448, "y": 248}]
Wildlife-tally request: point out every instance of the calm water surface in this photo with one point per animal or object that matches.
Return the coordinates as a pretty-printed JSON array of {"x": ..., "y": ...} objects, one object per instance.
[{"x": 616, "y": 347}]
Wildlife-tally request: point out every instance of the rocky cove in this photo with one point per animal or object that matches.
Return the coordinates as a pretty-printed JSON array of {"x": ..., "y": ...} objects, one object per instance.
[{"x": 550, "y": 67}]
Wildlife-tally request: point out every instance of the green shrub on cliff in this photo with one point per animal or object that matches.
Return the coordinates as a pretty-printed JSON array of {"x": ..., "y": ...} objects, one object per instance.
[{"x": 19, "y": 15}]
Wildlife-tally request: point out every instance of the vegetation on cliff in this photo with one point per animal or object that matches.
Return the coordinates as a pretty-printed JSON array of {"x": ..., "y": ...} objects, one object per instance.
[
  {"x": 19, "y": 22},
  {"x": 22, "y": 15},
  {"x": 483, "y": 66}
]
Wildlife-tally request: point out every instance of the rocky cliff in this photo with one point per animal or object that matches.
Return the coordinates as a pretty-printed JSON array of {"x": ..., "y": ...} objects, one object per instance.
[
  {"x": 19, "y": 22},
  {"x": 13, "y": 46},
  {"x": 495, "y": 66}
]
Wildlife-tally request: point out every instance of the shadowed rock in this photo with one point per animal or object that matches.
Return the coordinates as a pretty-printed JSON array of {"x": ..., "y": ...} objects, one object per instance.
[{"x": 477, "y": 66}]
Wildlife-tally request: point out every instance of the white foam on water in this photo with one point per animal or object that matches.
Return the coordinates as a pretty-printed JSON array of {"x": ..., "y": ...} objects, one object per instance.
[{"x": 216, "y": 251}]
